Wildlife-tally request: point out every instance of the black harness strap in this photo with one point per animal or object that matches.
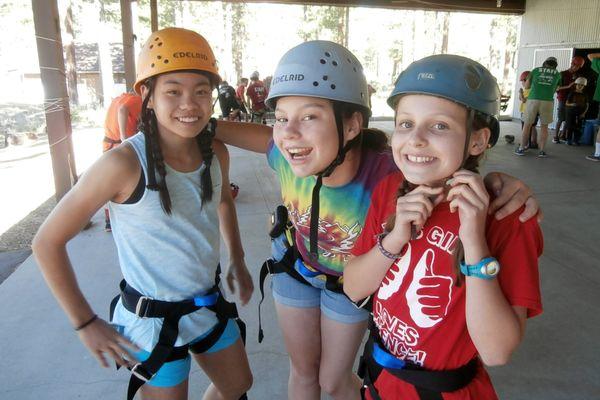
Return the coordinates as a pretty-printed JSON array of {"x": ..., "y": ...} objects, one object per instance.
[
  {"x": 429, "y": 384},
  {"x": 171, "y": 312}
]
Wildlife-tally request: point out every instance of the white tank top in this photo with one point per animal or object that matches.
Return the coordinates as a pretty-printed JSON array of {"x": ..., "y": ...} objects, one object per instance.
[{"x": 168, "y": 257}]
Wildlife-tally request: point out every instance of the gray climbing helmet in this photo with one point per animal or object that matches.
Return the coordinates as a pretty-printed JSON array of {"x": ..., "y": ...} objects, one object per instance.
[{"x": 321, "y": 69}]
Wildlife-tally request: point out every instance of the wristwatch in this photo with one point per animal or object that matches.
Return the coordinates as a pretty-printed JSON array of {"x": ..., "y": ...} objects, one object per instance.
[{"x": 487, "y": 268}]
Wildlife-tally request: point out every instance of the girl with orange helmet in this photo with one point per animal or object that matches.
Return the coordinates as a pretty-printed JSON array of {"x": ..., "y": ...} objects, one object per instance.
[{"x": 168, "y": 188}]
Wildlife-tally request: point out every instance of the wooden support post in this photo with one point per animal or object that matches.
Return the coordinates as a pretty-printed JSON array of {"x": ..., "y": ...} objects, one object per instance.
[
  {"x": 128, "y": 49},
  {"x": 56, "y": 102},
  {"x": 154, "y": 15}
]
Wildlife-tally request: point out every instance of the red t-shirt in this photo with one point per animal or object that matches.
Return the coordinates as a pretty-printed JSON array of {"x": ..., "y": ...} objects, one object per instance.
[
  {"x": 566, "y": 78},
  {"x": 239, "y": 93},
  {"x": 258, "y": 94},
  {"x": 111, "y": 123},
  {"x": 415, "y": 332}
]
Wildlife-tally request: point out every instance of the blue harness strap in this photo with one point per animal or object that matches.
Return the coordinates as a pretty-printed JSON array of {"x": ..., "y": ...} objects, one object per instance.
[
  {"x": 429, "y": 384},
  {"x": 171, "y": 312}
]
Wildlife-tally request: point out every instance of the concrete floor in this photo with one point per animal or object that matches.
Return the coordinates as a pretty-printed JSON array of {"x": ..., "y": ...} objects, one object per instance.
[{"x": 42, "y": 358}]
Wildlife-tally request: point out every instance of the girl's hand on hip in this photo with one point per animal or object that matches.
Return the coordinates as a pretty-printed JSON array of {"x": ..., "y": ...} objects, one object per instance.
[
  {"x": 100, "y": 338},
  {"x": 468, "y": 195},
  {"x": 238, "y": 278}
]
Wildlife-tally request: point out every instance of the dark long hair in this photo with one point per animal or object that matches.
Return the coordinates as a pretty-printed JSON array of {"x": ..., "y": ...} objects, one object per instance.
[
  {"x": 154, "y": 158},
  {"x": 368, "y": 138},
  {"x": 471, "y": 163}
]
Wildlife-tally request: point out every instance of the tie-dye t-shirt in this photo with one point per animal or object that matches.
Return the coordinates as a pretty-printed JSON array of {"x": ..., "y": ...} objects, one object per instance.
[{"x": 343, "y": 209}]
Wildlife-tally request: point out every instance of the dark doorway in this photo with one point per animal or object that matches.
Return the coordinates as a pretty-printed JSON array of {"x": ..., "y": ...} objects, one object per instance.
[{"x": 592, "y": 78}]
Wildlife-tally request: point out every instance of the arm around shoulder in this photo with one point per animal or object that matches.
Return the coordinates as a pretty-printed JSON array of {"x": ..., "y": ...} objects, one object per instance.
[{"x": 248, "y": 136}]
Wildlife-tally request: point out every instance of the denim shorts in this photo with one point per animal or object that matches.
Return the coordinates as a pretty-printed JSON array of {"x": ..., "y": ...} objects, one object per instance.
[
  {"x": 289, "y": 292},
  {"x": 172, "y": 373}
]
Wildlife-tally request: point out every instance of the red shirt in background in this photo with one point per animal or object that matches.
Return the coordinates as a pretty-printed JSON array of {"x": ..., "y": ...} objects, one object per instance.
[
  {"x": 430, "y": 330},
  {"x": 111, "y": 123},
  {"x": 258, "y": 94},
  {"x": 566, "y": 78}
]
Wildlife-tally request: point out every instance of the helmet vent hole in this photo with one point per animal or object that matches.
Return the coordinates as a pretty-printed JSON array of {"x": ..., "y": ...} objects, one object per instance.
[
  {"x": 322, "y": 61},
  {"x": 151, "y": 46},
  {"x": 152, "y": 65},
  {"x": 315, "y": 83},
  {"x": 159, "y": 57},
  {"x": 327, "y": 54},
  {"x": 334, "y": 63},
  {"x": 362, "y": 95},
  {"x": 156, "y": 39},
  {"x": 333, "y": 86},
  {"x": 349, "y": 60},
  {"x": 159, "y": 44},
  {"x": 325, "y": 77},
  {"x": 472, "y": 77},
  {"x": 354, "y": 68},
  {"x": 166, "y": 61}
]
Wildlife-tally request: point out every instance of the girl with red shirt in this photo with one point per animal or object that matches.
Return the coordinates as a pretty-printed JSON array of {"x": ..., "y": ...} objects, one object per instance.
[{"x": 452, "y": 287}]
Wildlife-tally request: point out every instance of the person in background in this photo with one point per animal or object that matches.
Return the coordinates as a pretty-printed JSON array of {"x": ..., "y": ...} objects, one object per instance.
[
  {"x": 257, "y": 94},
  {"x": 543, "y": 81},
  {"x": 595, "y": 59},
  {"x": 120, "y": 123},
  {"x": 576, "y": 106},
  {"x": 568, "y": 76},
  {"x": 523, "y": 94},
  {"x": 240, "y": 94},
  {"x": 230, "y": 108}
]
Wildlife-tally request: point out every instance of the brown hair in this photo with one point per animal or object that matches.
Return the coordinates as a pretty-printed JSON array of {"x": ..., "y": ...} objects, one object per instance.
[
  {"x": 154, "y": 158},
  {"x": 471, "y": 163},
  {"x": 369, "y": 138}
]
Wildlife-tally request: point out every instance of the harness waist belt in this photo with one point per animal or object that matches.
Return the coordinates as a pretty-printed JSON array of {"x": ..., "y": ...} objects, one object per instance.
[{"x": 429, "y": 384}]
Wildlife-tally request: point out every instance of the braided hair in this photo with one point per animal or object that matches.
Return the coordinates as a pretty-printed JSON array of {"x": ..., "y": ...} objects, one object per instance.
[
  {"x": 154, "y": 159},
  {"x": 471, "y": 163}
]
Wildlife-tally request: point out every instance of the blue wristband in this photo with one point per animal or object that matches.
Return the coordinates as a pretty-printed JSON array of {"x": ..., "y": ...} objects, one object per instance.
[{"x": 487, "y": 268}]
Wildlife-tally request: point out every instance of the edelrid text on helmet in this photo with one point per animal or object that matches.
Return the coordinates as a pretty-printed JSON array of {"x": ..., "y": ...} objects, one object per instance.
[
  {"x": 321, "y": 69},
  {"x": 455, "y": 78},
  {"x": 175, "y": 49}
]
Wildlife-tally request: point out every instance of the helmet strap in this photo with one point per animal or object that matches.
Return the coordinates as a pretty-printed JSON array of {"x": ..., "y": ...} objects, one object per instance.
[
  {"x": 339, "y": 159},
  {"x": 470, "y": 118}
]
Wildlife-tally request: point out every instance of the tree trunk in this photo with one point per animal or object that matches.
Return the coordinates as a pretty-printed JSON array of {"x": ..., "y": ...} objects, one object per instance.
[
  {"x": 238, "y": 36},
  {"x": 445, "y": 29},
  {"x": 106, "y": 73},
  {"x": 71, "y": 65},
  {"x": 346, "y": 26}
]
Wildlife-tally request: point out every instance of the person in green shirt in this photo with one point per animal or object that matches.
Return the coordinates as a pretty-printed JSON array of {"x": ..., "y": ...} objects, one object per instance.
[
  {"x": 543, "y": 82},
  {"x": 595, "y": 59}
]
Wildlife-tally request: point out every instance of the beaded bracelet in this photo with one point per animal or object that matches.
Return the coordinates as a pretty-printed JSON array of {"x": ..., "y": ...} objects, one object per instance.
[
  {"x": 383, "y": 251},
  {"x": 89, "y": 321}
]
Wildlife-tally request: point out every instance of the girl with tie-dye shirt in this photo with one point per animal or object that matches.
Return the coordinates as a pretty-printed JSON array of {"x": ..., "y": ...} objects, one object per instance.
[{"x": 324, "y": 155}]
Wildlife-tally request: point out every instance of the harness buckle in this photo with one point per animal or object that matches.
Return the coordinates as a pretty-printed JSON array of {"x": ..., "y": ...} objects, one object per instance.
[
  {"x": 142, "y": 307},
  {"x": 140, "y": 372}
]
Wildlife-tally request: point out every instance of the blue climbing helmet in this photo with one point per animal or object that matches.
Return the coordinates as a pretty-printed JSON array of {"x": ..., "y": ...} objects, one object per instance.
[
  {"x": 321, "y": 69},
  {"x": 329, "y": 71},
  {"x": 455, "y": 78}
]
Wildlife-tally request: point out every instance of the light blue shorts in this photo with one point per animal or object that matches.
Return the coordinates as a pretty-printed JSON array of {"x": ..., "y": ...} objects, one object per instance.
[{"x": 174, "y": 372}]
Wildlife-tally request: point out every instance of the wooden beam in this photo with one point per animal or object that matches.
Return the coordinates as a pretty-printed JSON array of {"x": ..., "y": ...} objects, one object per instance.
[
  {"x": 154, "y": 15},
  {"x": 128, "y": 49},
  {"x": 56, "y": 102},
  {"x": 479, "y": 6}
]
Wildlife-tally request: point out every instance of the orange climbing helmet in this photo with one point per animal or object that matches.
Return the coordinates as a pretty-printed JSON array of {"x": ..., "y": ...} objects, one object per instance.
[{"x": 175, "y": 49}]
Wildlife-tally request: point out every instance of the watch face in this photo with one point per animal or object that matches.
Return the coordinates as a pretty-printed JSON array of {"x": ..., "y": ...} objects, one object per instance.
[{"x": 491, "y": 269}]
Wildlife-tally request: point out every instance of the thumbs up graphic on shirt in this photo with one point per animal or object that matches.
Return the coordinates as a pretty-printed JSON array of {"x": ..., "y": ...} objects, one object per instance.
[{"x": 428, "y": 295}]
